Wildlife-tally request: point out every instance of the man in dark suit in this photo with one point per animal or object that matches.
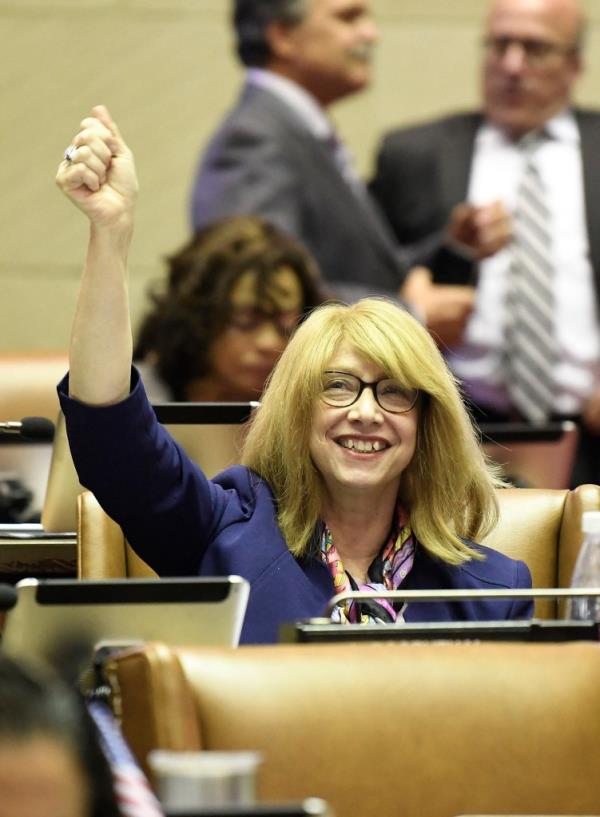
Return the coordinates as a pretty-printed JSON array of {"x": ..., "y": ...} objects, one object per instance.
[
  {"x": 277, "y": 154},
  {"x": 466, "y": 169}
]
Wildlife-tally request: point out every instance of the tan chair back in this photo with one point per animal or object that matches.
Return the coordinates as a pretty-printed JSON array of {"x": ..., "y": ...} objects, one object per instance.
[
  {"x": 543, "y": 527},
  {"x": 382, "y": 728},
  {"x": 540, "y": 526},
  {"x": 102, "y": 550}
]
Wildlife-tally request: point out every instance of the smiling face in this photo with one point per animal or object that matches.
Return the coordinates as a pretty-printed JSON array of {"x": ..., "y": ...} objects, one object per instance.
[
  {"x": 531, "y": 61},
  {"x": 329, "y": 52},
  {"x": 361, "y": 449}
]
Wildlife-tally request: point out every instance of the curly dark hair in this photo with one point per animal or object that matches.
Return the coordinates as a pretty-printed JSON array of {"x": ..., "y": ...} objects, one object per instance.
[{"x": 193, "y": 307}]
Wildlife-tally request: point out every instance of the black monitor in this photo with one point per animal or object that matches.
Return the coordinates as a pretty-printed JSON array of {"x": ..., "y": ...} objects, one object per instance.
[
  {"x": 319, "y": 631},
  {"x": 53, "y": 613},
  {"x": 323, "y": 629},
  {"x": 310, "y": 807},
  {"x": 532, "y": 456}
]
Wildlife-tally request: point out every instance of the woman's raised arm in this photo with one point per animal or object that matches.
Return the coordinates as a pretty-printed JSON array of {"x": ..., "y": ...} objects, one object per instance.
[{"x": 98, "y": 175}]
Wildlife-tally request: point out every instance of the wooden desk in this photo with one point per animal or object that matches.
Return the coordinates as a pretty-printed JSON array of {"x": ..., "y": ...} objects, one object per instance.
[{"x": 27, "y": 550}]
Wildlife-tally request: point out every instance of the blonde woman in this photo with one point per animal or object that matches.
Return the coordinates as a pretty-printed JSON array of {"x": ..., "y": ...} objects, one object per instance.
[{"x": 361, "y": 467}]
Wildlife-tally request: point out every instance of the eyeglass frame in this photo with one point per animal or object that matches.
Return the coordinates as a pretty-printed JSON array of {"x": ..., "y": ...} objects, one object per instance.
[
  {"x": 373, "y": 384},
  {"x": 284, "y": 321},
  {"x": 498, "y": 46}
]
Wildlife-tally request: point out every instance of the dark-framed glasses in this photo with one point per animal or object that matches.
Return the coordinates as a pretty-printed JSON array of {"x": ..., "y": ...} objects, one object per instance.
[
  {"x": 536, "y": 52},
  {"x": 342, "y": 389},
  {"x": 249, "y": 319}
]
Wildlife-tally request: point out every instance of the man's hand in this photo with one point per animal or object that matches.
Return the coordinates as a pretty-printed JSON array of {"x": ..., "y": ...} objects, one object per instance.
[
  {"x": 99, "y": 177},
  {"x": 481, "y": 231},
  {"x": 444, "y": 309}
]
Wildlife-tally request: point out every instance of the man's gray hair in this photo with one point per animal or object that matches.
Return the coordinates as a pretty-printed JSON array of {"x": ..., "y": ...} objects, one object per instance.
[{"x": 251, "y": 19}]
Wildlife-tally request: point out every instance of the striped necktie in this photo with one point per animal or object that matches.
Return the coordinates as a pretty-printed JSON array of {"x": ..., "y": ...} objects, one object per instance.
[{"x": 530, "y": 349}]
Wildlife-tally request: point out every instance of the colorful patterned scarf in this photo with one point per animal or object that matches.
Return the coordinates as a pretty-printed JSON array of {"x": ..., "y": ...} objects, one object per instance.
[{"x": 386, "y": 572}]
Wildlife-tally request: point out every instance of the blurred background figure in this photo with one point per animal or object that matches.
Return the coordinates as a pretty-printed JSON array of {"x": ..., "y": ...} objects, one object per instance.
[
  {"x": 51, "y": 763},
  {"x": 233, "y": 296},
  {"x": 531, "y": 350},
  {"x": 277, "y": 153}
]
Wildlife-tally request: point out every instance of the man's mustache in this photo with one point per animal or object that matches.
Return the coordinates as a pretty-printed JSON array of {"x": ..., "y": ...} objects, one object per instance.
[
  {"x": 512, "y": 85},
  {"x": 363, "y": 52}
]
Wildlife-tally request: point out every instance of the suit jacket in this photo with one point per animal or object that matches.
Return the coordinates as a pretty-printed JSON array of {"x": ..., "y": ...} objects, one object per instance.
[
  {"x": 264, "y": 161},
  {"x": 423, "y": 171},
  {"x": 181, "y": 523}
]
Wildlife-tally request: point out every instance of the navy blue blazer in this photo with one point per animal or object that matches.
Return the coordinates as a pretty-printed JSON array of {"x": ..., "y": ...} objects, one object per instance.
[{"x": 182, "y": 523}]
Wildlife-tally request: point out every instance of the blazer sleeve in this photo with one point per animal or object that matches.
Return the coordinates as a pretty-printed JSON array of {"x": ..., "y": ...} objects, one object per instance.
[
  {"x": 522, "y": 608},
  {"x": 167, "y": 508}
]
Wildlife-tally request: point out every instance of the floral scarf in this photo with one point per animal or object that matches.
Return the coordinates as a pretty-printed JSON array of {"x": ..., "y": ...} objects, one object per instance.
[{"x": 386, "y": 572}]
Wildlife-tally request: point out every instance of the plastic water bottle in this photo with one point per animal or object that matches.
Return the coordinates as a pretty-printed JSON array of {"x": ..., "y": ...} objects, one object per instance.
[{"x": 587, "y": 570}]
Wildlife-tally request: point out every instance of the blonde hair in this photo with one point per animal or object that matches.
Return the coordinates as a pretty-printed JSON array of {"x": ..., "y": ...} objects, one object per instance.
[{"x": 448, "y": 487}]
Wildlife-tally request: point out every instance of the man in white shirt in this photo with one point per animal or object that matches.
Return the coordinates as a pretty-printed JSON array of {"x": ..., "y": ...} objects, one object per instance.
[
  {"x": 425, "y": 174},
  {"x": 277, "y": 155}
]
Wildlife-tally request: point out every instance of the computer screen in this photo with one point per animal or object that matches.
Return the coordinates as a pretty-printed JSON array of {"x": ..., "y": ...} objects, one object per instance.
[{"x": 51, "y": 614}]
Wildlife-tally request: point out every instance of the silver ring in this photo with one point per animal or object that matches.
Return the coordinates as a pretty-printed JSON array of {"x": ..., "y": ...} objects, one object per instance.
[{"x": 69, "y": 153}]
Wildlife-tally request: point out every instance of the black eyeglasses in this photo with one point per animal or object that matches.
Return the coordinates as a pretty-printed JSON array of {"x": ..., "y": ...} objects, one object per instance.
[
  {"x": 249, "y": 319},
  {"x": 536, "y": 52},
  {"x": 341, "y": 389}
]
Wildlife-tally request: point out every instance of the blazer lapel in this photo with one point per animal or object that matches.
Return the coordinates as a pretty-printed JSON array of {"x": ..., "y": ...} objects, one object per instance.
[
  {"x": 589, "y": 129},
  {"x": 459, "y": 141},
  {"x": 360, "y": 207}
]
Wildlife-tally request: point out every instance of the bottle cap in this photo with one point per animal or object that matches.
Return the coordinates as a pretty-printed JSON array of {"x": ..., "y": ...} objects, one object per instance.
[{"x": 590, "y": 521}]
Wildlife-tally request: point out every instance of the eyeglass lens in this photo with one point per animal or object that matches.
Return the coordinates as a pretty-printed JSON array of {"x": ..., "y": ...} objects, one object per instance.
[
  {"x": 534, "y": 50},
  {"x": 342, "y": 389},
  {"x": 250, "y": 318}
]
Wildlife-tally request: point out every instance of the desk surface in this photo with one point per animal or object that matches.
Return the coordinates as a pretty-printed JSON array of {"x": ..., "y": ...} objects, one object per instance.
[{"x": 27, "y": 550}]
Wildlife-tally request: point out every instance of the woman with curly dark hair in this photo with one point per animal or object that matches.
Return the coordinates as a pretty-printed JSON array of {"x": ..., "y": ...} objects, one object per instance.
[{"x": 233, "y": 296}]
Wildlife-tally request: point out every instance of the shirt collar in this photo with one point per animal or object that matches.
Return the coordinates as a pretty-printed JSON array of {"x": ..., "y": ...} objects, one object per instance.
[
  {"x": 561, "y": 128},
  {"x": 295, "y": 97}
]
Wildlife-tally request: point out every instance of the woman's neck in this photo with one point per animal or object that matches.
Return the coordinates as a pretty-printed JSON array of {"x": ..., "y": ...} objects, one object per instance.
[{"x": 359, "y": 530}]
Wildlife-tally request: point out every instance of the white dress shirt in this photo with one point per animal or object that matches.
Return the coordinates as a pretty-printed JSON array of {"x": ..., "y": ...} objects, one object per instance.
[{"x": 496, "y": 171}]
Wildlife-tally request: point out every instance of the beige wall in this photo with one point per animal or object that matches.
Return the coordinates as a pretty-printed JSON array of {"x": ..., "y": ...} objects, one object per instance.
[{"x": 166, "y": 71}]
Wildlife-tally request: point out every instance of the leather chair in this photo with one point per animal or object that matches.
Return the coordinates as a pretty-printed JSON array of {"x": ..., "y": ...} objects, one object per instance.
[
  {"x": 102, "y": 550},
  {"x": 542, "y": 527},
  {"x": 381, "y": 728}
]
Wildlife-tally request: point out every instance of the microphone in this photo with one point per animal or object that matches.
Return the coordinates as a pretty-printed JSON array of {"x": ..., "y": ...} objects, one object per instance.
[
  {"x": 8, "y": 597},
  {"x": 30, "y": 428}
]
